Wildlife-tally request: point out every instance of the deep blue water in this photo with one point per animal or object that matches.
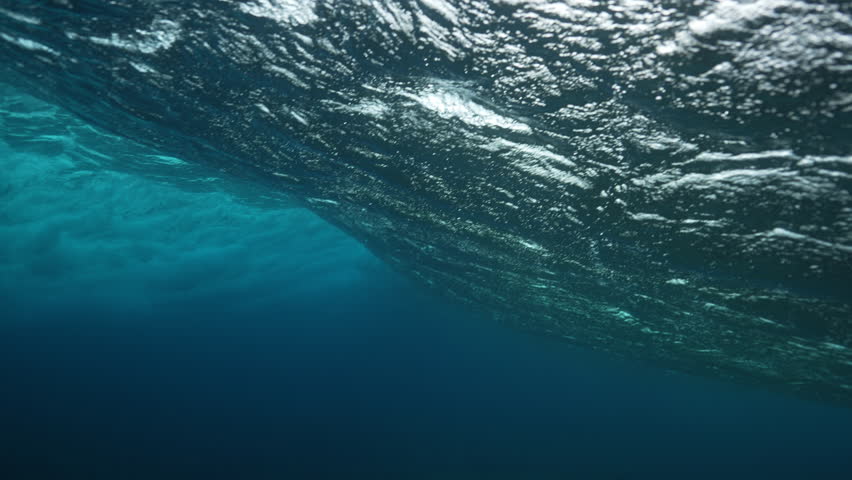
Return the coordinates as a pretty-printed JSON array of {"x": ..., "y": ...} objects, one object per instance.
[{"x": 152, "y": 331}]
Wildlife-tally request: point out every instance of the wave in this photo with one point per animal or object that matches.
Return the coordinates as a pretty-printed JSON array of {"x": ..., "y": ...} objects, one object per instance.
[{"x": 667, "y": 181}]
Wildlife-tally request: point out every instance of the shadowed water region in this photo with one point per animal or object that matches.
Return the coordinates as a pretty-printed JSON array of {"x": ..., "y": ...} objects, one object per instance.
[{"x": 425, "y": 239}]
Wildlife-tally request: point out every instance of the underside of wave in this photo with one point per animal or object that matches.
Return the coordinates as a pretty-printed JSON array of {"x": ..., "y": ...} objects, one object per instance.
[
  {"x": 667, "y": 182},
  {"x": 140, "y": 193}
]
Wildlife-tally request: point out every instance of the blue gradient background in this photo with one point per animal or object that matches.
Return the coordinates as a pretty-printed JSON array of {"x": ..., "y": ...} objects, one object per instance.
[{"x": 150, "y": 330}]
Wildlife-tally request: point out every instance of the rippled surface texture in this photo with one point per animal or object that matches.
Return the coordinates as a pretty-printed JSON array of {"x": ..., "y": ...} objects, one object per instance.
[{"x": 669, "y": 181}]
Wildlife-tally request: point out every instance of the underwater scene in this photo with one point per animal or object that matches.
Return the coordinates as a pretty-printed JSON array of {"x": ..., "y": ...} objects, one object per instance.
[{"x": 425, "y": 239}]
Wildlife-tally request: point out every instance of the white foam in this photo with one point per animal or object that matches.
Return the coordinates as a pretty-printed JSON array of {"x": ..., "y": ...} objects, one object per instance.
[
  {"x": 161, "y": 36},
  {"x": 20, "y": 17},
  {"x": 446, "y": 10},
  {"x": 294, "y": 12},
  {"x": 451, "y": 104},
  {"x": 28, "y": 44}
]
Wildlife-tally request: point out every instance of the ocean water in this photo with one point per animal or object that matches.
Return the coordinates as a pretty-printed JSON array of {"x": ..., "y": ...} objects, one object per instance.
[
  {"x": 156, "y": 330},
  {"x": 425, "y": 239}
]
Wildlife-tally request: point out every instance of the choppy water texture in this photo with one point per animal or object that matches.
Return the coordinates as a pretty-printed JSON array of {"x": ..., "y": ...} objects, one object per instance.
[{"x": 668, "y": 181}]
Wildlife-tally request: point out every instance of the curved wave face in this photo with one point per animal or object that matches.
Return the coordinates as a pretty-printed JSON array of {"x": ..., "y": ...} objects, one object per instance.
[{"x": 668, "y": 181}]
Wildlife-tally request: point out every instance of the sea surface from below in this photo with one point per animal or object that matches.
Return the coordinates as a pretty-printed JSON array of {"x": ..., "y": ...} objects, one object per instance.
[{"x": 164, "y": 330}]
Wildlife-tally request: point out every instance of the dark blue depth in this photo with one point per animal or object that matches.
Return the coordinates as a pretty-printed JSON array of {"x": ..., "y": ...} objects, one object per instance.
[{"x": 375, "y": 381}]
